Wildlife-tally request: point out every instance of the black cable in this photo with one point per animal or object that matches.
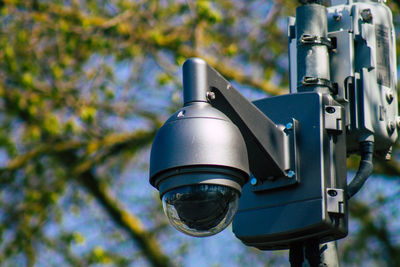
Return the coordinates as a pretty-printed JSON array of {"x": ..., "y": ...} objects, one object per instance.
[{"x": 364, "y": 170}]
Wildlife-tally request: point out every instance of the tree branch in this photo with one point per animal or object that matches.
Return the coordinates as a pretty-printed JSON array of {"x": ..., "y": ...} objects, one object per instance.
[
  {"x": 126, "y": 220},
  {"x": 397, "y": 2},
  {"x": 233, "y": 73},
  {"x": 388, "y": 168},
  {"x": 168, "y": 42},
  {"x": 110, "y": 141},
  {"x": 370, "y": 229},
  {"x": 111, "y": 145},
  {"x": 56, "y": 245}
]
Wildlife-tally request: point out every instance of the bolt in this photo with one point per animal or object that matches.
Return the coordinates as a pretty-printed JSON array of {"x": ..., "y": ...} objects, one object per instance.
[
  {"x": 366, "y": 15},
  {"x": 332, "y": 193},
  {"x": 388, "y": 155},
  {"x": 210, "y": 95},
  {"x": 391, "y": 127},
  {"x": 228, "y": 87},
  {"x": 389, "y": 96},
  {"x": 181, "y": 114},
  {"x": 291, "y": 174},
  {"x": 289, "y": 126},
  {"x": 337, "y": 16},
  {"x": 253, "y": 181},
  {"x": 330, "y": 110}
]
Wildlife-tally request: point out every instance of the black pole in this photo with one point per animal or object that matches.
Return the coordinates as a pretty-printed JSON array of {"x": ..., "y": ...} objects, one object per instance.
[
  {"x": 307, "y": 2},
  {"x": 308, "y": 250},
  {"x": 313, "y": 254},
  {"x": 296, "y": 255}
]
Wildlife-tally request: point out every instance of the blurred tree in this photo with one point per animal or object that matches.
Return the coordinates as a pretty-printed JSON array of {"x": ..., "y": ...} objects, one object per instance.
[{"x": 84, "y": 86}]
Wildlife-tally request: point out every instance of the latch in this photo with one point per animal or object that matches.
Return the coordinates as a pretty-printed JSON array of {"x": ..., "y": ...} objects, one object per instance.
[
  {"x": 335, "y": 200},
  {"x": 333, "y": 119}
]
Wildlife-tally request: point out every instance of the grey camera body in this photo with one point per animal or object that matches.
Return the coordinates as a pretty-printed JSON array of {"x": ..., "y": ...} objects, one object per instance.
[{"x": 313, "y": 207}]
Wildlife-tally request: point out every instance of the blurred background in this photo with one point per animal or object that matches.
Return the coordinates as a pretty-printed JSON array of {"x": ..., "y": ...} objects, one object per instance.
[{"x": 84, "y": 85}]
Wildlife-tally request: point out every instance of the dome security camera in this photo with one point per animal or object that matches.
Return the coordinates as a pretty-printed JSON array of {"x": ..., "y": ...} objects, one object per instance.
[
  {"x": 201, "y": 158},
  {"x": 199, "y": 164}
]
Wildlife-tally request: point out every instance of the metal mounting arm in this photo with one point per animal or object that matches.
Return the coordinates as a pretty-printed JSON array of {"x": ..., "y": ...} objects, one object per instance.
[{"x": 267, "y": 143}]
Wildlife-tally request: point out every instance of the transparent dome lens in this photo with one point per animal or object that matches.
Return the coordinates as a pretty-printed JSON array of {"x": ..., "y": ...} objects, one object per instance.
[{"x": 200, "y": 210}]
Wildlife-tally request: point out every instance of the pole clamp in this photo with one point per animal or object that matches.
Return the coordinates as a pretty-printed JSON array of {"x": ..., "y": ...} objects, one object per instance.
[
  {"x": 308, "y": 39},
  {"x": 314, "y": 81}
]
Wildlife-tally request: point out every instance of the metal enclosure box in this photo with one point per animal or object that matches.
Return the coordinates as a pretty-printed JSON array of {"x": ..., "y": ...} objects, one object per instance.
[
  {"x": 363, "y": 65},
  {"x": 315, "y": 206}
]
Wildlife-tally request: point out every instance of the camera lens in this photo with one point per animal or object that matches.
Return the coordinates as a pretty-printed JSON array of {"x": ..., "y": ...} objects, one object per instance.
[{"x": 201, "y": 209}]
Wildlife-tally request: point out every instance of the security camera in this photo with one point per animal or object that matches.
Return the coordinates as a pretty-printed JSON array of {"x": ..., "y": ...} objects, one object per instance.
[
  {"x": 204, "y": 155},
  {"x": 199, "y": 164},
  {"x": 200, "y": 159}
]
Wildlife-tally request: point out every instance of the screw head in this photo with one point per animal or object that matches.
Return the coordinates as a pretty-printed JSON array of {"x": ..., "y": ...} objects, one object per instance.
[
  {"x": 210, "y": 95},
  {"x": 389, "y": 96},
  {"x": 289, "y": 126},
  {"x": 330, "y": 110},
  {"x": 291, "y": 174},
  {"x": 391, "y": 127},
  {"x": 253, "y": 181},
  {"x": 332, "y": 193},
  {"x": 366, "y": 15},
  {"x": 388, "y": 155},
  {"x": 337, "y": 16},
  {"x": 181, "y": 114}
]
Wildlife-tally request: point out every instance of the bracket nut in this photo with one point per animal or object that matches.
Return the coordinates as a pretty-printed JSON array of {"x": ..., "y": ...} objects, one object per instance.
[
  {"x": 391, "y": 127},
  {"x": 389, "y": 96},
  {"x": 337, "y": 17},
  {"x": 366, "y": 15}
]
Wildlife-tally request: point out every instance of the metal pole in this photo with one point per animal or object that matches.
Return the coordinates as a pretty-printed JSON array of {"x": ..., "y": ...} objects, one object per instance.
[
  {"x": 313, "y": 74},
  {"x": 329, "y": 254},
  {"x": 313, "y": 254}
]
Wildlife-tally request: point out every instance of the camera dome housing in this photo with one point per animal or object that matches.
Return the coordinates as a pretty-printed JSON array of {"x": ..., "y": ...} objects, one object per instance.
[
  {"x": 201, "y": 209},
  {"x": 199, "y": 164}
]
